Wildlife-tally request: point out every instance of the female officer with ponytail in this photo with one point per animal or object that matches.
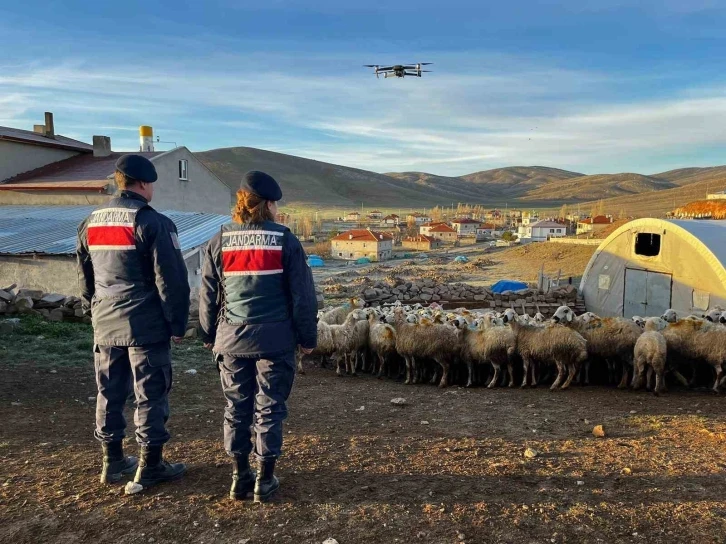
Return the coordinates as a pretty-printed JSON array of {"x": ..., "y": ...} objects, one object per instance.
[{"x": 257, "y": 305}]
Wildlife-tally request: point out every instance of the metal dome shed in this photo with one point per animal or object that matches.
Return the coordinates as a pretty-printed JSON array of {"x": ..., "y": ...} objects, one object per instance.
[{"x": 649, "y": 265}]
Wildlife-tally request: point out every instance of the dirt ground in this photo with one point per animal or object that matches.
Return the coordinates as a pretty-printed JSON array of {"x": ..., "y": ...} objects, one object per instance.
[
  {"x": 359, "y": 469},
  {"x": 486, "y": 267}
]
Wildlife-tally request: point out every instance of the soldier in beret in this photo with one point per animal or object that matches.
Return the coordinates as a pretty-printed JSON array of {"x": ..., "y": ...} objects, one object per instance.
[
  {"x": 134, "y": 286},
  {"x": 257, "y": 305}
]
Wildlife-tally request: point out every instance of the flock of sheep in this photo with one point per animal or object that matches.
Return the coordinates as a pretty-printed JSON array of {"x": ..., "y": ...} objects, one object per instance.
[{"x": 469, "y": 346}]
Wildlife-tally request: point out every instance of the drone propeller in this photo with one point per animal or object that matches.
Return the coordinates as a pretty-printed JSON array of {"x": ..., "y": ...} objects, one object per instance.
[{"x": 371, "y": 65}]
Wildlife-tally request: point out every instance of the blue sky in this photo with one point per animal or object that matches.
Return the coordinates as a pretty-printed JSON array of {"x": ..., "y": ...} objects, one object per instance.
[{"x": 595, "y": 87}]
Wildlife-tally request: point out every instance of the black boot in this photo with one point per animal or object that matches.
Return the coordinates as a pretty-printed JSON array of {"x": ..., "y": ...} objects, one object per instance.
[
  {"x": 115, "y": 465},
  {"x": 243, "y": 479},
  {"x": 154, "y": 470},
  {"x": 267, "y": 483}
]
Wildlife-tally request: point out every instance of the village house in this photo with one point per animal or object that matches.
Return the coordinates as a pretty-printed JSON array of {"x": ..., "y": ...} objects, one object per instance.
[
  {"x": 485, "y": 230},
  {"x": 426, "y": 228},
  {"x": 391, "y": 220},
  {"x": 283, "y": 218},
  {"x": 444, "y": 233},
  {"x": 41, "y": 168},
  {"x": 541, "y": 231},
  {"x": 421, "y": 242},
  {"x": 359, "y": 243},
  {"x": 465, "y": 227},
  {"x": 419, "y": 218},
  {"x": 593, "y": 224},
  {"x": 352, "y": 216},
  {"x": 375, "y": 215}
]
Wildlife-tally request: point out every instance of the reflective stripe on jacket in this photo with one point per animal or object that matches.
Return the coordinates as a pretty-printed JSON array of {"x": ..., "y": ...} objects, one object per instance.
[
  {"x": 257, "y": 300},
  {"x": 252, "y": 272},
  {"x": 132, "y": 274}
]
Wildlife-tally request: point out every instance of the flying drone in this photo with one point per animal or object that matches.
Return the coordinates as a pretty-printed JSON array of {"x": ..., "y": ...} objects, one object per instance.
[{"x": 399, "y": 70}]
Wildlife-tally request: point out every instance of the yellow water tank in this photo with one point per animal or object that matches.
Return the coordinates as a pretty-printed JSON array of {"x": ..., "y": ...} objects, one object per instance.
[{"x": 146, "y": 138}]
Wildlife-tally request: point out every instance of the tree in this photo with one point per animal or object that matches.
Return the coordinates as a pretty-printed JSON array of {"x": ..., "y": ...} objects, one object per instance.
[
  {"x": 436, "y": 214},
  {"x": 509, "y": 236},
  {"x": 563, "y": 211},
  {"x": 306, "y": 227}
]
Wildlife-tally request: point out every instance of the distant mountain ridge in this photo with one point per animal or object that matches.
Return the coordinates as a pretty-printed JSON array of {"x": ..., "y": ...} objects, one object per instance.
[{"x": 308, "y": 182}]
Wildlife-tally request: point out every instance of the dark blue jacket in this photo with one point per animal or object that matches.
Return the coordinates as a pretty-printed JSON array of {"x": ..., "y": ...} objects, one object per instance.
[
  {"x": 257, "y": 296},
  {"x": 132, "y": 275}
]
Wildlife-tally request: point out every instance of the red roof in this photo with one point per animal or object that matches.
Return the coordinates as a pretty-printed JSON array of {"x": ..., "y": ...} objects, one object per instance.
[
  {"x": 597, "y": 220},
  {"x": 488, "y": 226},
  {"x": 363, "y": 235},
  {"x": 443, "y": 227},
  {"x": 80, "y": 172},
  {"x": 434, "y": 223},
  {"x": 392, "y": 216}
]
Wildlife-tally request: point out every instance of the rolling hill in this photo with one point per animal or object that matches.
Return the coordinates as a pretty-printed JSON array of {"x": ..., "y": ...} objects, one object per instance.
[{"x": 308, "y": 182}]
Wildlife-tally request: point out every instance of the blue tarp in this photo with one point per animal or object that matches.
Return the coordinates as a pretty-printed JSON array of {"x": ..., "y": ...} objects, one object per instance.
[
  {"x": 363, "y": 260},
  {"x": 315, "y": 261},
  {"x": 461, "y": 259},
  {"x": 508, "y": 285}
]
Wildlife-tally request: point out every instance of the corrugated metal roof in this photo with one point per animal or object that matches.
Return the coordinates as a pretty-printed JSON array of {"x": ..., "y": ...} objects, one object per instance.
[{"x": 52, "y": 229}]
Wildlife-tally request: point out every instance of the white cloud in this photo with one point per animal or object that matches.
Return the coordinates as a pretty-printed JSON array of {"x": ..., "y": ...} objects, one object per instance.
[{"x": 512, "y": 111}]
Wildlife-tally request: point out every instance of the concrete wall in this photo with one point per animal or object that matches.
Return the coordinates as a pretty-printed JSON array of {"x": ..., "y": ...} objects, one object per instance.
[
  {"x": 57, "y": 273},
  {"x": 52, "y": 274},
  {"x": 16, "y": 158},
  {"x": 203, "y": 192}
]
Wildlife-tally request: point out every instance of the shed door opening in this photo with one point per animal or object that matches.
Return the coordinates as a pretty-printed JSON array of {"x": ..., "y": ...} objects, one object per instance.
[
  {"x": 647, "y": 244},
  {"x": 647, "y": 294}
]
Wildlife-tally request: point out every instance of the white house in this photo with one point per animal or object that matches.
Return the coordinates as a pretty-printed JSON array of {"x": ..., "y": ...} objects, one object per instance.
[
  {"x": 41, "y": 169},
  {"x": 465, "y": 227},
  {"x": 541, "y": 231},
  {"x": 419, "y": 218}
]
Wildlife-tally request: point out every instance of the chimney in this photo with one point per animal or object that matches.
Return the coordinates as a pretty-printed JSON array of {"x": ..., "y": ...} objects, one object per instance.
[
  {"x": 39, "y": 129},
  {"x": 49, "y": 127},
  {"x": 101, "y": 146}
]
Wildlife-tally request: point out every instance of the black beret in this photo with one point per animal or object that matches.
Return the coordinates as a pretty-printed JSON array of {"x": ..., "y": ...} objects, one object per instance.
[
  {"x": 137, "y": 167},
  {"x": 262, "y": 185}
]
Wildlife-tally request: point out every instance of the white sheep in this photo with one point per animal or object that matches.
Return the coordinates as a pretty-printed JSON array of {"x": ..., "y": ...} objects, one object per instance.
[
  {"x": 650, "y": 354},
  {"x": 551, "y": 343},
  {"x": 324, "y": 349},
  {"x": 609, "y": 338},
  {"x": 337, "y": 316}
]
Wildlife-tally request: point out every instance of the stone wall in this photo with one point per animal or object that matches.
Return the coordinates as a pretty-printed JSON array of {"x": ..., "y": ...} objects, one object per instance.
[{"x": 463, "y": 295}]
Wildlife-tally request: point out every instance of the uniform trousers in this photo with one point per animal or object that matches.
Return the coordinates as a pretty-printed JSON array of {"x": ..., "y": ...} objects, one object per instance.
[
  {"x": 145, "y": 370},
  {"x": 256, "y": 391}
]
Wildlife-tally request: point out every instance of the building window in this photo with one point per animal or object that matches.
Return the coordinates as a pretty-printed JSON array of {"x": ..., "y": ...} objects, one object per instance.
[
  {"x": 647, "y": 244},
  {"x": 552, "y": 230},
  {"x": 183, "y": 167}
]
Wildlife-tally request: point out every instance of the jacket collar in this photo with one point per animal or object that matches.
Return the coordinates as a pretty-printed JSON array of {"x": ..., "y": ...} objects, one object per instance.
[{"x": 132, "y": 195}]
